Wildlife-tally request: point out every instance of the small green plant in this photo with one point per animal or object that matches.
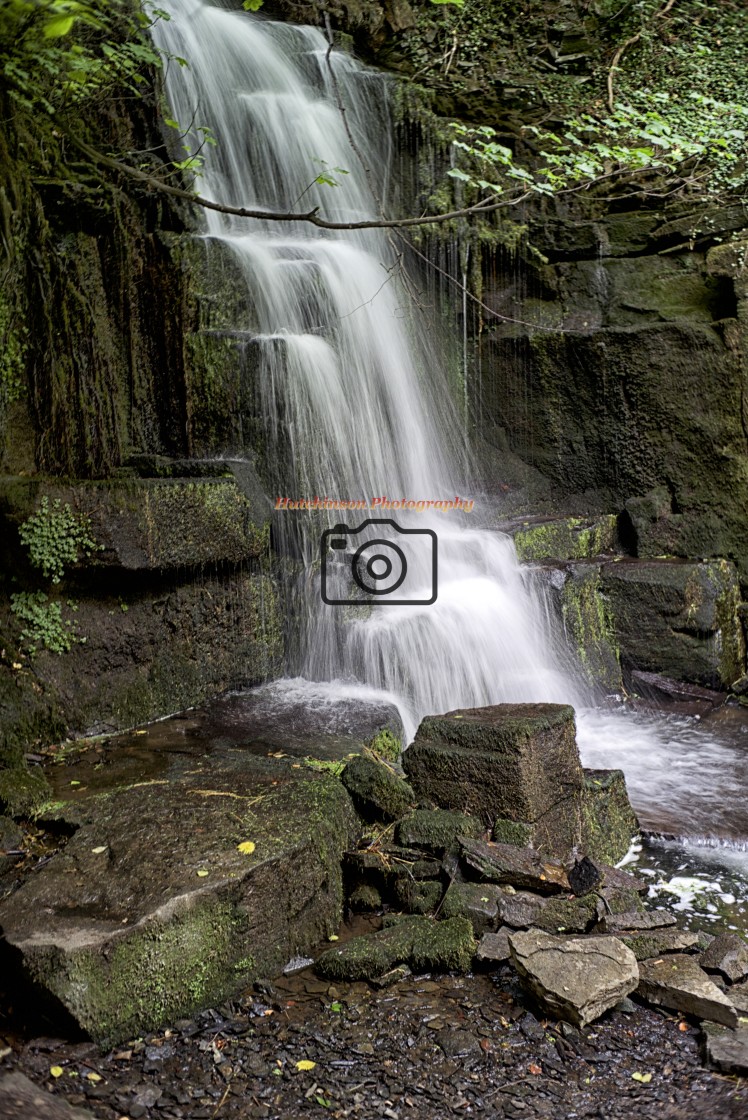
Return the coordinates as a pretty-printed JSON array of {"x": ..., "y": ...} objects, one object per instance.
[
  {"x": 56, "y": 537},
  {"x": 44, "y": 622},
  {"x": 386, "y": 744}
]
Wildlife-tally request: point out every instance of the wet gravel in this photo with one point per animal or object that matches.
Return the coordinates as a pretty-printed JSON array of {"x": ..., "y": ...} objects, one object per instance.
[{"x": 431, "y": 1047}]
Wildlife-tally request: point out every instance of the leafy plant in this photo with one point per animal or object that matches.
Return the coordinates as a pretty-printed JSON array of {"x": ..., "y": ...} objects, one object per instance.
[
  {"x": 56, "y": 537},
  {"x": 44, "y": 622}
]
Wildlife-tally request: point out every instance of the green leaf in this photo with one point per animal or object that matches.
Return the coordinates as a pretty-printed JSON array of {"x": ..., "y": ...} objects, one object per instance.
[
  {"x": 59, "y": 26},
  {"x": 252, "y": 5}
]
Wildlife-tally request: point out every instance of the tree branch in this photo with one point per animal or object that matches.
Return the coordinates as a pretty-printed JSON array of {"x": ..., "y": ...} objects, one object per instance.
[
  {"x": 486, "y": 206},
  {"x": 624, "y": 46}
]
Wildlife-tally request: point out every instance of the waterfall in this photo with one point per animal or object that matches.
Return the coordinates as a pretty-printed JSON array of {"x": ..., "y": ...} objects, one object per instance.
[{"x": 353, "y": 387}]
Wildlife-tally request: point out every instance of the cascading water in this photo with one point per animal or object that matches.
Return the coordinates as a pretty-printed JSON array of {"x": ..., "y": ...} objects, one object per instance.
[
  {"x": 356, "y": 401},
  {"x": 354, "y": 396}
]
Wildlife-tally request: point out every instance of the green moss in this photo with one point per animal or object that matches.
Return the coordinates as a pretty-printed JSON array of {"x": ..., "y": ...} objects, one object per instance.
[
  {"x": 377, "y": 790},
  {"x": 436, "y": 829},
  {"x": 22, "y": 791},
  {"x": 608, "y": 820},
  {"x": 589, "y": 626},
  {"x": 572, "y": 538},
  {"x": 386, "y": 744},
  {"x": 418, "y": 897},
  {"x": 426, "y": 945},
  {"x": 512, "y": 832}
]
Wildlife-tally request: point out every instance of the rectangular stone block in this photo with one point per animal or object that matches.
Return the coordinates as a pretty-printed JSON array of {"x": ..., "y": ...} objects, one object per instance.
[{"x": 518, "y": 762}]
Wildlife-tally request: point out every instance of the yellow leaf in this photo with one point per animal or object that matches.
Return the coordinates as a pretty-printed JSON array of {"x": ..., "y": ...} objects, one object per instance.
[
  {"x": 333, "y": 937},
  {"x": 99, "y": 850},
  {"x": 56, "y": 1071},
  {"x": 305, "y": 1064},
  {"x": 246, "y": 847},
  {"x": 645, "y": 1078},
  {"x": 202, "y": 873},
  {"x": 93, "y": 1077}
]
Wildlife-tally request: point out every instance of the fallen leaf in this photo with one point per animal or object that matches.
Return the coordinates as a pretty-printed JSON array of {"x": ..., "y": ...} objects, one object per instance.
[
  {"x": 56, "y": 1071},
  {"x": 93, "y": 1077},
  {"x": 101, "y": 848},
  {"x": 336, "y": 1006},
  {"x": 202, "y": 873},
  {"x": 122, "y": 1056},
  {"x": 333, "y": 937},
  {"x": 246, "y": 847},
  {"x": 683, "y": 1026},
  {"x": 645, "y": 1078},
  {"x": 305, "y": 1064},
  {"x": 535, "y": 1069},
  {"x": 74, "y": 783},
  {"x": 141, "y": 732},
  {"x": 17, "y": 665}
]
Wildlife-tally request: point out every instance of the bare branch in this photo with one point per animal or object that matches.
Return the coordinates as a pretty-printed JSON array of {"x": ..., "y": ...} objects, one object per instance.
[{"x": 624, "y": 46}]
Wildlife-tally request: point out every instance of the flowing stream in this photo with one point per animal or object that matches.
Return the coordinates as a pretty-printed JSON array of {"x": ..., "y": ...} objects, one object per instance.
[{"x": 356, "y": 404}]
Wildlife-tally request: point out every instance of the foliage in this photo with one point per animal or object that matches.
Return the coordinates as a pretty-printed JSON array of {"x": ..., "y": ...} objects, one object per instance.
[
  {"x": 12, "y": 354},
  {"x": 386, "y": 745},
  {"x": 59, "y": 54},
  {"x": 55, "y": 537},
  {"x": 44, "y": 622},
  {"x": 654, "y": 92}
]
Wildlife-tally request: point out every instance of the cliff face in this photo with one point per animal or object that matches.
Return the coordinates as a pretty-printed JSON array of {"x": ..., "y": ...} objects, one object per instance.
[{"x": 608, "y": 363}]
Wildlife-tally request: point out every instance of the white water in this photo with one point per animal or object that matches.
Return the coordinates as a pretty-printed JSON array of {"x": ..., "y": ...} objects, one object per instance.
[
  {"x": 356, "y": 403},
  {"x": 350, "y": 375}
]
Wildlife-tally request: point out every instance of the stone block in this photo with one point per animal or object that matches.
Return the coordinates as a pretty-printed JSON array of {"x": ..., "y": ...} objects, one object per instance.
[
  {"x": 518, "y": 762},
  {"x": 608, "y": 820}
]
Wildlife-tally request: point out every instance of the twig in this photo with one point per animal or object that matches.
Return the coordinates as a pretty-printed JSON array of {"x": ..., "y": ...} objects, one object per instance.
[{"x": 624, "y": 46}]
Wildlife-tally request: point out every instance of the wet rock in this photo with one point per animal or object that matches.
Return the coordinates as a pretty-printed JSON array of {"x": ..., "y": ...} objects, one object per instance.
[
  {"x": 585, "y": 876},
  {"x": 478, "y": 902},
  {"x": 679, "y": 983},
  {"x": 576, "y": 979},
  {"x": 517, "y": 762},
  {"x": 519, "y": 867},
  {"x": 637, "y": 920},
  {"x": 436, "y": 830},
  {"x": 678, "y": 618},
  {"x": 11, "y": 844},
  {"x": 654, "y": 943},
  {"x": 394, "y": 976},
  {"x": 154, "y": 883},
  {"x": 519, "y": 833},
  {"x": 378, "y": 792},
  {"x": 457, "y": 1043},
  {"x": 728, "y": 955},
  {"x": 739, "y": 997},
  {"x": 425, "y": 945},
  {"x": 493, "y": 948},
  {"x": 21, "y": 1099},
  {"x": 608, "y": 820},
  {"x": 724, "y": 1049},
  {"x": 553, "y": 915},
  {"x": 364, "y": 897},
  {"x": 418, "y": 897}
]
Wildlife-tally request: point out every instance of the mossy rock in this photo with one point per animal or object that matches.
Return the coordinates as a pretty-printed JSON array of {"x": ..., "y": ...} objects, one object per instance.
[
  {"x": 22, "y": 791},
  {"x": 364, "y": 897},
  {"x": 477, "y": 902},
  {"x": 377, "y": 790},
  {"x": 608, "y": 819},
  {"x": 418, "y": 897},
  {"x": 436, "y": 830},
  {"x": 512, "y": 832},
  {"x": 426, "y": 945}
]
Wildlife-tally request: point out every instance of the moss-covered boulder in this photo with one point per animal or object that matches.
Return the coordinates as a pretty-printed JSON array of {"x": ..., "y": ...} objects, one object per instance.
[
  {"x": 423, "y": 943},
  {"x": 563, "y": 538},
  {"x": 435, "y": 830},
  {"x": 608, "y": 820},
  {"x": 517, "y": 762},
  {"x": 478, "y": 902},
  {"x": 378, "y": 792},
  {"x": 175, "y": 892},
  {"x": 678, "y": 618}
]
